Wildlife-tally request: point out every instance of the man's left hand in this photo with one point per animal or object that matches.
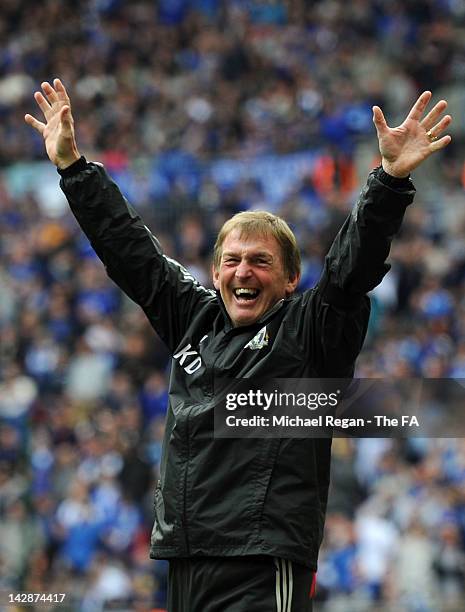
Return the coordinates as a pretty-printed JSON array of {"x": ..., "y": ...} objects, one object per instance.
[{"x": 405, "y": 147}]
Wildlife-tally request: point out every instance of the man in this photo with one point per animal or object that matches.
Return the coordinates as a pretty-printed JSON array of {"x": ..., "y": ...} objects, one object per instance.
[{"x": 241, "y": 520}]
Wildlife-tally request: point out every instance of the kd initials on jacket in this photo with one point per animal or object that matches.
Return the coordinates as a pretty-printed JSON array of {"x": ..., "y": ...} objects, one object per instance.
[{"x": 185, "y": 353}]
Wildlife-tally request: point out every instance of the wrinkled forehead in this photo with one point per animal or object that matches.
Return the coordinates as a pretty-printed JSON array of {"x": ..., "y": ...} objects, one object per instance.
[{"x": 245, "y": 239}]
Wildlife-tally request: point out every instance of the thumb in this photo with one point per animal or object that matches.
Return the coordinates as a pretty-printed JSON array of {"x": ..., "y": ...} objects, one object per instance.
[{"x": 379, "y": 120}]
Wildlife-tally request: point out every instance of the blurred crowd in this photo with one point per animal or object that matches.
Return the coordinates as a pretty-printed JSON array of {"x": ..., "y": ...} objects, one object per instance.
[{"x": 199, "y": 109}]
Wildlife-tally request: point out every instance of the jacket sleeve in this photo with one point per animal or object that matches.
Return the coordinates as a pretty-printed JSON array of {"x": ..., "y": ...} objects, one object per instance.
[
  {"x": 132, "y": 256},
  {"x": 355, "y": 264}
]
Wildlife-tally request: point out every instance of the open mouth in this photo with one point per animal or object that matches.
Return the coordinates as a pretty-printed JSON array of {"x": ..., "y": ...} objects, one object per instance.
[{"x": 245, "y": 294}]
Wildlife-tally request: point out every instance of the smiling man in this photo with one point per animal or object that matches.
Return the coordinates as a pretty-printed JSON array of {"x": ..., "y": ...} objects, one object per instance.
[
  {"x": 241, "y": 520},
  {"x": 256, "y": 264}
]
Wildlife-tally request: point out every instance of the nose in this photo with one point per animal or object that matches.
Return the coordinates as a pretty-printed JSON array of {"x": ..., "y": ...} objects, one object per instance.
[{"x": 243, "y": 270}]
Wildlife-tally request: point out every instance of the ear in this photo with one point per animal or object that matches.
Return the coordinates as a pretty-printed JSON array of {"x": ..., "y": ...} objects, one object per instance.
[
  {"x": 216, "y": 277},
  {"x": 291, "y": 285}
]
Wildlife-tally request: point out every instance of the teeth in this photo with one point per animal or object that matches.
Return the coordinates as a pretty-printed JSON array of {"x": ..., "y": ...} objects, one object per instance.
[{"x": 245, "y": 291}]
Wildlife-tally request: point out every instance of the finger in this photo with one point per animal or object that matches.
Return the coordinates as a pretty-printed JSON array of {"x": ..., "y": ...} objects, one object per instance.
[
  {"x": 61, "y": 91},
  {"x": 437, "y": 145},
  {"x": 434, "y": 114},
  {"x": 379, "y": 120},
  {"x": 436, "y": 130},
  {"x": 33, "y": 122},
  {"x": 418, "y": 108},
  {"x": 49, "y": 92},
  {"x": 43, "y": 104}
]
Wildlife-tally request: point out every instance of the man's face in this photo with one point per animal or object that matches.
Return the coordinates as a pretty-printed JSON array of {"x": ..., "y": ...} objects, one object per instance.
[{"x": 251, "y": 277}]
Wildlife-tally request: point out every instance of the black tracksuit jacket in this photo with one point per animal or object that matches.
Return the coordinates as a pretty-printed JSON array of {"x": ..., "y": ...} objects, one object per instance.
[{"x": 235, "y": 497}]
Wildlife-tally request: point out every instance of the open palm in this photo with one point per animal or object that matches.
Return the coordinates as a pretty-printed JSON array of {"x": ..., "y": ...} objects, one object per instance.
[
  {"x": 58, "y": 129},
  {"x": 405, "y": 147}
]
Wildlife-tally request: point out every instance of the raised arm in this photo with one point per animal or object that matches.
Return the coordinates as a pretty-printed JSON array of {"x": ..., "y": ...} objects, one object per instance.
[
  {"x": 356, "y": 262},
  {"x": 132, "y": 256}
]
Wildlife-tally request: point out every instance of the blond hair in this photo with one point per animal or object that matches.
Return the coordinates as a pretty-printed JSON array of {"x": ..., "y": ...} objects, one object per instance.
[{"x": 262, "y": 223}]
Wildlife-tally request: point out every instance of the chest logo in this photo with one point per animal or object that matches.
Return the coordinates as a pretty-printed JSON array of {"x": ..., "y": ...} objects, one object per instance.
[{"x": 259, "y": 340}]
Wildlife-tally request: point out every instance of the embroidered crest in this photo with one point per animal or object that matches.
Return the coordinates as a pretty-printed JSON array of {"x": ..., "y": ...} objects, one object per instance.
[{"x": 259, "y": 340}]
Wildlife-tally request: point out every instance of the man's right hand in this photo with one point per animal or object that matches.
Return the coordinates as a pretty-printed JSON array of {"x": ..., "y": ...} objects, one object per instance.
[{"x": 58, "y": 129}]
